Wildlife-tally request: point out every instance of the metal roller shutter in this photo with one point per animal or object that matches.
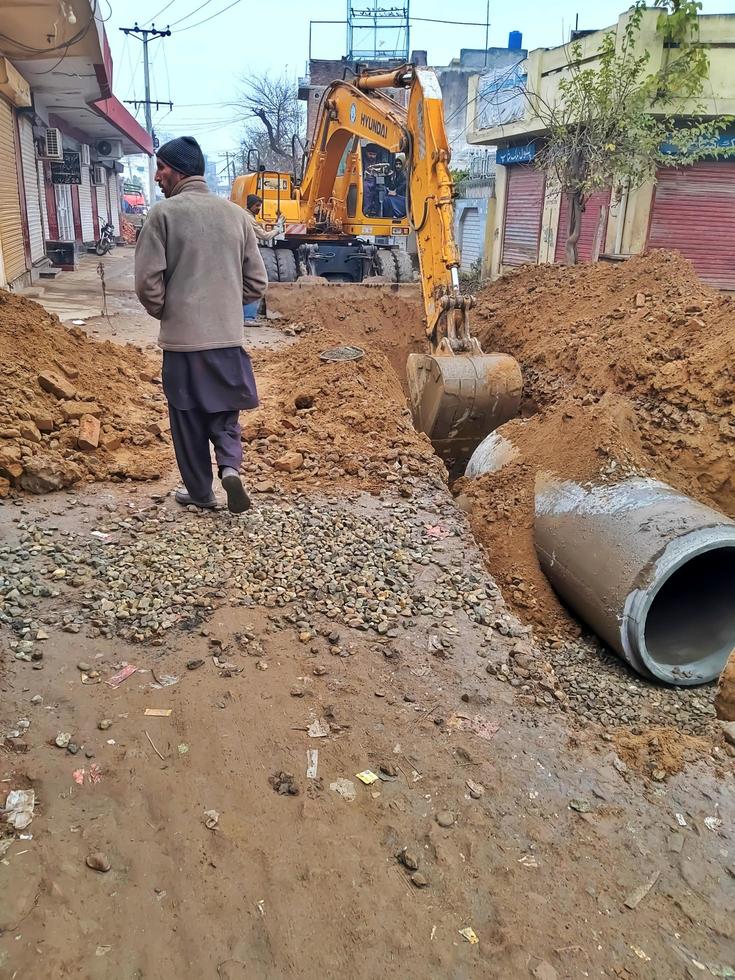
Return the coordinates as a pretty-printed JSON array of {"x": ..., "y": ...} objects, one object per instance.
[
  {"x": 470, "y": 237},
  {"x": 590, "y": 224},
  {"x": 85, "y": 207},
  {"x": 32, "y": 191},
  {"x": 694, "y": 212},
  {"x": 11, "y": 224},
  {"x": 101, "y": 194},
  {"x": 112, "y": 183},
  {"x": 524, "y": 205}
]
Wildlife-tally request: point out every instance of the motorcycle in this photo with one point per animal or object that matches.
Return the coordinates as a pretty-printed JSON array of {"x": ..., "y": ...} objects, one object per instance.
[{"x": 106, "y": 241}]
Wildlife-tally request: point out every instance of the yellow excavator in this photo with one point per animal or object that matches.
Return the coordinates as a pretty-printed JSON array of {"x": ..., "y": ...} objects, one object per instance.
[{"x": 458, "y": 394}]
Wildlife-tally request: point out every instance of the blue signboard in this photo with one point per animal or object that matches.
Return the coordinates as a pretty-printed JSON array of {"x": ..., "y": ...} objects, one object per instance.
[
  {"x": 516, "y": 154},
  {"x": 725, "y": 141}
]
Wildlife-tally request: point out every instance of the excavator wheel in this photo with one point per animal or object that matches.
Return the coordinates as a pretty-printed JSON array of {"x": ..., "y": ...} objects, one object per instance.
[
  {"x": 459, "y": 399},
  {"x": 286, "y": 262},
  {"x": 404, "y": 265},
  {"x": 268, "y": 255},
  {"x": 385, "y": 265}
]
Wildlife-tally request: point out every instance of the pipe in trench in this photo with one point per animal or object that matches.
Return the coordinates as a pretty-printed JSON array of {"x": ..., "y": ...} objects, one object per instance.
[{"x": 650, "y": 570}]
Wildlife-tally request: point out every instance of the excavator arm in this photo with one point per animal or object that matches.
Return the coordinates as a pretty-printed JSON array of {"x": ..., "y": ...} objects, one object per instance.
[{"x": 458, "y": 394}]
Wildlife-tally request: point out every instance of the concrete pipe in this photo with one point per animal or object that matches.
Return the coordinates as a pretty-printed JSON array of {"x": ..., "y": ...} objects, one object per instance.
[
  {"x": 650, "y": 570},
  {"x": 493, "y": 453}
]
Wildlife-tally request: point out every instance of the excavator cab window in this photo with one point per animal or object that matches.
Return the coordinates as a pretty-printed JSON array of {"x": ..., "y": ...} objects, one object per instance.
[{"x": 384, "y": 183}]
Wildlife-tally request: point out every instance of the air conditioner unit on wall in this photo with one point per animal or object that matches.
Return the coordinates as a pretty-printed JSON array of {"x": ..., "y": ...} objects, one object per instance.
[
  {"x": 50, "y": 146},
  {"x": 109, "y": 149},
  {"x": 99, "y": 176},
  {"x": 85, "y": 155}
]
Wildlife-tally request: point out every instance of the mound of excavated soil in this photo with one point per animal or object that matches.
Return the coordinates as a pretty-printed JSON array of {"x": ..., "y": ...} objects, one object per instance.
[
  {"x": 629, "y": 368},
  {"x": 341, "y": 424},
  {"x": 388, "y": 317},
  {"x": 57, "y": 385}
]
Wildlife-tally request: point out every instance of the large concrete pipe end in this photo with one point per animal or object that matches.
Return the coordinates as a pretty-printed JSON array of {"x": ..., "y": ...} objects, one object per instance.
[{"x": 649, "y": 569}]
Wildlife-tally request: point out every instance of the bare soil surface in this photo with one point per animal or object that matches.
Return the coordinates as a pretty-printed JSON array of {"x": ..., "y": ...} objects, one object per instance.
[{"x": 351, "y": 613}]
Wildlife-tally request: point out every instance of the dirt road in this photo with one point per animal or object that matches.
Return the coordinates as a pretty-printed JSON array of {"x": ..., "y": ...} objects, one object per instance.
[{"x": 358, "y": 626}]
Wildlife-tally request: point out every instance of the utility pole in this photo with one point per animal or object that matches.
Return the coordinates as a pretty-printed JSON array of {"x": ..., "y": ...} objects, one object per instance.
[{"x": 146, "y": 35}]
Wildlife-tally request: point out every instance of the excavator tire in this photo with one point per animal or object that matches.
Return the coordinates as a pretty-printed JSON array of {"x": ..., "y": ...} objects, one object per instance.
[
  {"x": 286, "y": 262},
  {"x": 404, "y": 266},
  {"x": 268, "y": 255},
  {"x": 385, "y": 265}
]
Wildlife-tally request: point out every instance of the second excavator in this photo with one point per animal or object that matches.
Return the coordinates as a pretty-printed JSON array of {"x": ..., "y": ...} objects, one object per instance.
[{"x": 457, "y": 393}]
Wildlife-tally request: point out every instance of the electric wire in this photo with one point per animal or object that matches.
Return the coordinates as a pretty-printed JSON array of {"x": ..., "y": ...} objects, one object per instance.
[
  {"x": 191, "y": 13},
  {"x": 158, "y": 14},
  {"x": 200, "y": 22}
]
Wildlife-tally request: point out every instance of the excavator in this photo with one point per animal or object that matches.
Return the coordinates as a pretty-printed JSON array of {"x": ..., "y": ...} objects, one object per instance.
[{"x": 457, "y": 393}]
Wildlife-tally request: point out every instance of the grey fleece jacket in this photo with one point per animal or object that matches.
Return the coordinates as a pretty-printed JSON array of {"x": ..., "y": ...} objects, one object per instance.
[{"x": 196, "y": 263}]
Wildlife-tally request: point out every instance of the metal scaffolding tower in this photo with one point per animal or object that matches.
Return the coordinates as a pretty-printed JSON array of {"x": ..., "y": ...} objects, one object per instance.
[{"x": 376, "y": 32}]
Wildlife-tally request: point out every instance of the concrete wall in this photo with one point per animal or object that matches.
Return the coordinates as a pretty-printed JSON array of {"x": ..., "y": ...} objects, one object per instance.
[
  {"x": 627, "y": 229},
  {"x": 545, "y": 67}
]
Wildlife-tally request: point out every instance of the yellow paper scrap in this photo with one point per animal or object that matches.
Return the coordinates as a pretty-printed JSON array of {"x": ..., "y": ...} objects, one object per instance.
[
  {"x": 469, "y": 934},
  {"x": 158, "y": 712},
  {"x": 367, "y": 777}
]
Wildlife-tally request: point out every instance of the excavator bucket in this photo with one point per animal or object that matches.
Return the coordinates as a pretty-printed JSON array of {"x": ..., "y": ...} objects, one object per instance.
[{"x": 458, "y": 399}]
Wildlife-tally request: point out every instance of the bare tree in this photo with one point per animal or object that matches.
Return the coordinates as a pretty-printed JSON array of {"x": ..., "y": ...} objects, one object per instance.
[{"x": 273, "y": 116}]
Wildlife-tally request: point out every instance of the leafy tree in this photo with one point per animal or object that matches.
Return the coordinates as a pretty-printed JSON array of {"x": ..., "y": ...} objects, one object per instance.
[
  {"x": 608, "y": 123},
  {"x": 273, "y": 115}
]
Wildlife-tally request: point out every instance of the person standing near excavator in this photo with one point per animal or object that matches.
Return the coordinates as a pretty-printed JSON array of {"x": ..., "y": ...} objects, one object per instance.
[
  {"x": 253, "y": 207},
  {"x": 196, "y": 264}
]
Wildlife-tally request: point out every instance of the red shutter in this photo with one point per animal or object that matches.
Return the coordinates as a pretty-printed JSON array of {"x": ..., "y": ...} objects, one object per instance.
[
  {"x": 694, "y": 213},
  {"x": 590, "y": 221},
  {"x": 524, "y": 205}
]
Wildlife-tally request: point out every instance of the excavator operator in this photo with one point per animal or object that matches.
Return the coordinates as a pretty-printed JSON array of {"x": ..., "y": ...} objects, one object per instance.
[{"x": 394, "y": 205}]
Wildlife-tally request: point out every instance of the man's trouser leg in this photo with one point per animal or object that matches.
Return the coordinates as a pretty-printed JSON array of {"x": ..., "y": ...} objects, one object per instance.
[
  {"x": 190, "y": 433},
  {"x": 225, "y": 433}
]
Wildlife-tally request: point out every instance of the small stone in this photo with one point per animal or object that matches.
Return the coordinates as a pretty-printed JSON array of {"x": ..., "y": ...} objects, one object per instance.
[
  {"x": 581, "y": 806},
  {"x": 445, "y": 819},
  {"x": 319, "y": 671},
  {"x": 477, "y": 790},
  {"x": 98, "y": 862},
  {"x": 104, "y": 724},
  {"x": 72, "y": 748},
  {"x": 56, "y": 385},
  {"x": 409, "y": 698},
  {"x": 728, "y": 730},
  {"x": 297, "y": 692},
  {"x": 409, "y": 859},
  {"x": 62, "y": 739},
  {"x": 388, "y": 769},
  {"x": 36, "y": 699},
  {"x": 84, "y": 667},
  {"x": 88, "y": 438},
  {"x": 194, "y": 664},
  {"x": 289, "y": 462},
  {"x": 419, "y": 880}
]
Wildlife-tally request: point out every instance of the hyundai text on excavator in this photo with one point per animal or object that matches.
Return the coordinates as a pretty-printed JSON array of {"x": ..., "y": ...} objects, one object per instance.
[{"x": 457, "y": 393}]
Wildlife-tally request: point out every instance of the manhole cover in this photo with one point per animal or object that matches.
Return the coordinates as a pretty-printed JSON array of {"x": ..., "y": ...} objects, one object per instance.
[{"x": 342, "y": 354}]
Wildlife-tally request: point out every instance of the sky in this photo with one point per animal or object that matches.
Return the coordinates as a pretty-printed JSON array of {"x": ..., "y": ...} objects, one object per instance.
[{"x": 199, "y": 68}]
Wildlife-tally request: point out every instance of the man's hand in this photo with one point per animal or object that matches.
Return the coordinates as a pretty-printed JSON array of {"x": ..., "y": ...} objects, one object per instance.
[{"x": 281, "y": 224}]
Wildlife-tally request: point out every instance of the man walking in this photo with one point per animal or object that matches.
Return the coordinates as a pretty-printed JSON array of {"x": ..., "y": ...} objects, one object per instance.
[{"x": 196, "y": 264}]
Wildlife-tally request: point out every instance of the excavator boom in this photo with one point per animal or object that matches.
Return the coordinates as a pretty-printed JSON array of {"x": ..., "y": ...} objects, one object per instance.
[{"x": 458, "y": 394}]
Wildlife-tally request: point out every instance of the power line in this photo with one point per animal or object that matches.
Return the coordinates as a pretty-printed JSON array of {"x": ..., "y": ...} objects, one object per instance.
[
  {"x": 191, "y": 12},
  {"x": 199, "y": 22},
  {"x": 158, "y": 14}
]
